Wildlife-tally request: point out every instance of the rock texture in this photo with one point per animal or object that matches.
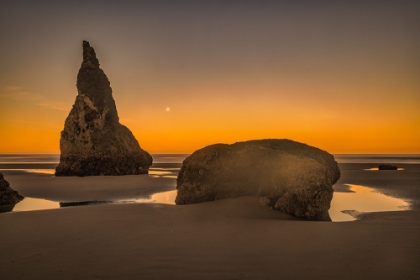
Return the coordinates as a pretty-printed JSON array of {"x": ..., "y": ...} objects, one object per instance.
[
  {"x": 8, "y": 197},
  {"x": 387, "y": 167},
  {"x": 292, "y": 177},
  {"x": 93, "y": 141}
]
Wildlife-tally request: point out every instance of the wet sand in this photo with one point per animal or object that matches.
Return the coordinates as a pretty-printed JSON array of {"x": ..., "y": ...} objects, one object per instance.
[
  {"x": 101, "y": 188},
  {"x": 228, "y": 239}
]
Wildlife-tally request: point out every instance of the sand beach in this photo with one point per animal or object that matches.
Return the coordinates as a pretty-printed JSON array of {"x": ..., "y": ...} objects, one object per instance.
[{"x": 227, "y": 239}]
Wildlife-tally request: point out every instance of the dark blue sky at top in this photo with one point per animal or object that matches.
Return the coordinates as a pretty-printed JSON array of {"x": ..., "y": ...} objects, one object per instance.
[
  {"x": 207, "y": 42},
  {"x": 177, "y": 26}
]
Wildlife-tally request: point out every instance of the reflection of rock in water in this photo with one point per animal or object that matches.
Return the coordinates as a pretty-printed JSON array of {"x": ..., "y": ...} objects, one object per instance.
[
  {"x": 354, "y": 213},
  {"x": 293, "y": 177},
  {"x": 82, "y": 203},
  {"x": 8, "y": 197},
  {"x": 387, "y": 167},
  {"x": 93, "y": 141}
]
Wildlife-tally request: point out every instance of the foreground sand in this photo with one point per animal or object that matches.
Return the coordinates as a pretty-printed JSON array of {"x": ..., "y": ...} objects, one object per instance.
[{"x": 229, "y": 239}]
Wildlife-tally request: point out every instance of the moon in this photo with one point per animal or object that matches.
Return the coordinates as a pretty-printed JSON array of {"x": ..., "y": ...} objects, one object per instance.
[{"x": 168, "y": 109}]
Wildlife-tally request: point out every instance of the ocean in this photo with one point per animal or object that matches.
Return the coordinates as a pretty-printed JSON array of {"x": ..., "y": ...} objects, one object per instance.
[
  {"x": 378, "y": 158},
  {"x": 45, "y": 163}
]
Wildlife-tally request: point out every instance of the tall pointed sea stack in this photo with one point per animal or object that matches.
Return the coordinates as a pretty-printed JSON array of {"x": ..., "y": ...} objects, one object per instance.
[{"x": 93, "y": 141}]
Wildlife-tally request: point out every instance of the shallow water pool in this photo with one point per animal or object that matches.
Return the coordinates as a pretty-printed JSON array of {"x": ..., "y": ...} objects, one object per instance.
[
  {"x": 344, "y": 207},
  {"x": 362, "y": 199}
]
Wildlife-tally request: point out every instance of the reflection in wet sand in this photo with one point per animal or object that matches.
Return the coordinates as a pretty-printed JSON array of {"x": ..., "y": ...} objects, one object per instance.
[
  {"x": 32, "y": 204},
  {"x": 164, "y": 197},
  {"x": 158, "y": 172},
  {"x": 346, "y": 205},
  {"x": 39, "y": 171},
  {"x": 82, "y": 203},
  {"x": 377, "y": 169}
]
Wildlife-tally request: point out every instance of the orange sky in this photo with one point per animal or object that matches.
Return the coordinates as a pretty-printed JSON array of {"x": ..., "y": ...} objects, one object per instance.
[{"x": 344, "y": 79}]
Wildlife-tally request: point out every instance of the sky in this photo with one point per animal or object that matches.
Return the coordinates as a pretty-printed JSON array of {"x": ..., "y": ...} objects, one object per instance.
[{"x": 339, "y": 75}]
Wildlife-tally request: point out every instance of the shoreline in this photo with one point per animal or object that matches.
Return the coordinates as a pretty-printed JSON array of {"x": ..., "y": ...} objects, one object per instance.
[
  {"x": 162, "y": 179},
  {"x": 225, "y": 239}
]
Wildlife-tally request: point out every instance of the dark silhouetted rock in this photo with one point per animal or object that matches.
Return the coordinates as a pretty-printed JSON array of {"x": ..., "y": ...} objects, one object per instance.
[
  {"x": 93, "y": 141},
  {"x": 387, "y": 167},
  {"x": 8, "y": 197},
  {"x": 82, "y": 203},
  {"x": 292, "y": 177}
]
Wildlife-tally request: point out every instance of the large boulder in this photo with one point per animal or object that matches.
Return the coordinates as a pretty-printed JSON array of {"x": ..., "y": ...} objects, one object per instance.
[
  {"x": 8, "y": 197},
  {"x": 292, "y": 177},
  {"x": 93, "y": 141}
]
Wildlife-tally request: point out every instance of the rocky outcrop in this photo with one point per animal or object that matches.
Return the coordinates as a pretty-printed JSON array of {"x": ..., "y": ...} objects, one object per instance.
[
  {"x": 292, "y": 177},
  {"x": 93, "y": 141},
  {"x": 8, "y": 197},
  {"x": 387, "y": 167}
]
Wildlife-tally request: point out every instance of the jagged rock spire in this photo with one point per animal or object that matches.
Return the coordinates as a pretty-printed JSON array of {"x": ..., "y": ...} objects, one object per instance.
[
  {"x": 89, "y": 55},
  {"x": 93, "y": 83}
]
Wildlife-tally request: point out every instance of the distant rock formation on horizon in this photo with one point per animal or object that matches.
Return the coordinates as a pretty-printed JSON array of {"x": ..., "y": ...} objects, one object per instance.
[
  {"x": 289, "y": 176},
  {"x": 8, "y": 197},
  {"x": 93, "y": 141}
]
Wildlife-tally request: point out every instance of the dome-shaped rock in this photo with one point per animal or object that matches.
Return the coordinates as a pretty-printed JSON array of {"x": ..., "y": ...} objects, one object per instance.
[{"x": 293, "y": 177}]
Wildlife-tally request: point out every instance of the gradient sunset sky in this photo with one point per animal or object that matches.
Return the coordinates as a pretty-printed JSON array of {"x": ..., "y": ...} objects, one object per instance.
[{"x": 343, "y": 76}]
